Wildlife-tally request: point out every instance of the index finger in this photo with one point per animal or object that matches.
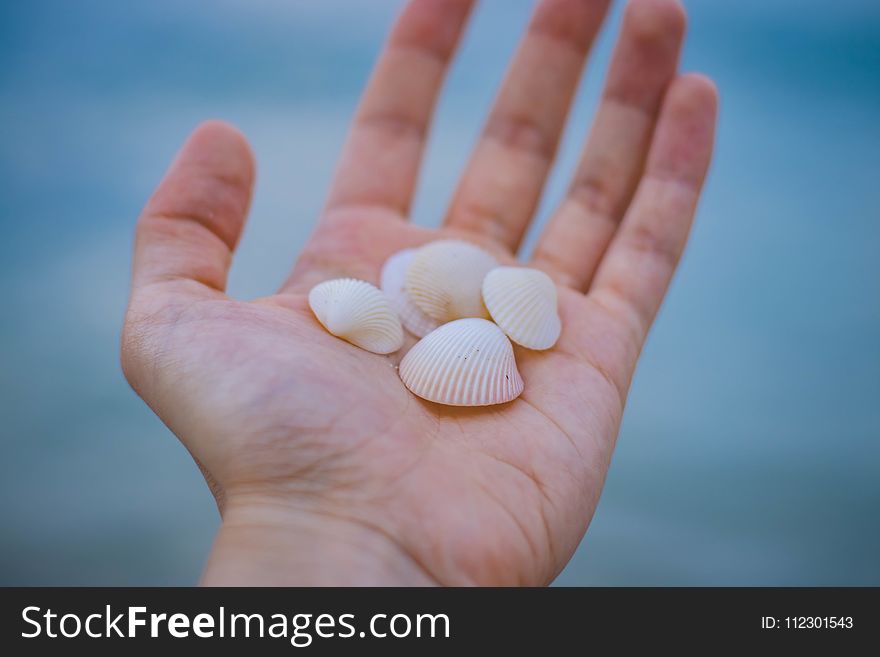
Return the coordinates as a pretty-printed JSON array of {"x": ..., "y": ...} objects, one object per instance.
[{"x": 381, "y": 157}]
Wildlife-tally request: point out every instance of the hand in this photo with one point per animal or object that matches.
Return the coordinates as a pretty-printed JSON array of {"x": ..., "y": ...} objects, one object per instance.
[{"x": 325, "y": 468}]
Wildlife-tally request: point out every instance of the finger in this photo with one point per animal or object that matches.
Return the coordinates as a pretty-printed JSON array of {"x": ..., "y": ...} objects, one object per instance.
[
  {"x": 635, "y": 272},
  {"x": 191, "y": 224},
  {"x": 380, "y": 160},
  {"x": 502, "y": 183},
  {"x": 642, "y": 66}
]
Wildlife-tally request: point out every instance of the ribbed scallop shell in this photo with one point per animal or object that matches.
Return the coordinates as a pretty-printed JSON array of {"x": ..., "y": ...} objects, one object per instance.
[
  {"x": 467, "y": 362},
  {"x": 357, "y": 312},
  {"x": 393, "y": 285},
  {"x": 522, "y": 302},
  {"x": 445, "y": 277}
]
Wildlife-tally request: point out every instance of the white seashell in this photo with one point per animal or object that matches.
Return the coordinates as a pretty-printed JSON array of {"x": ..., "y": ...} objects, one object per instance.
[
  {"x": 357, "y": 312},
  {"x": 445, "y": 277},
  {"x": 522, "y": 302},
  {"x": 467, "y": 362},
  {"x": 393, "y": 285}
]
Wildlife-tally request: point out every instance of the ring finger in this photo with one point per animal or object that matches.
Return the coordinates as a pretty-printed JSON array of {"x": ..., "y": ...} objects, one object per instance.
[{"x": 644, "y": 63}]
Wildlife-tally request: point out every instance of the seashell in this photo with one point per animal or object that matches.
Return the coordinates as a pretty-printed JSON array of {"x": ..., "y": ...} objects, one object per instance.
[
  {"x": 522, "y": 302},
  {"x": 467, "y": 362},
  {"x": 445, "y": 277},
  {"x": 357, "y": 312},
  {"x": 393, "y": 285}
]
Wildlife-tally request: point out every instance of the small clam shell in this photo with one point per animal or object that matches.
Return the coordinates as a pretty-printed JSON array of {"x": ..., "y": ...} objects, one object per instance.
[
  {"x": 393, "y": 285},
  {"x": 444, "y": 280},
  {"x": 522, "y": 302},
  {"x": 357, "y": 312},
  {"x": 467, "y": 362}
]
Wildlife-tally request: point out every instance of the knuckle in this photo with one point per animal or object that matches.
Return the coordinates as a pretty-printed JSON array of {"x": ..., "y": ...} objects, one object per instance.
[
  {"x": 522, "y": 133},
  {"x": 653, "y": 244},
  {"x": 593, "y": 194}
]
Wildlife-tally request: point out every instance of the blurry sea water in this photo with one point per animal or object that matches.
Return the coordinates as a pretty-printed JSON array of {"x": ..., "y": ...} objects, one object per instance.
[{"x": 750, "y": 450}]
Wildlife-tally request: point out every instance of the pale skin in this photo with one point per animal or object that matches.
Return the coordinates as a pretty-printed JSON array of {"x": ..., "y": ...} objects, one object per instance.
[{"x": 326, "y": 470}]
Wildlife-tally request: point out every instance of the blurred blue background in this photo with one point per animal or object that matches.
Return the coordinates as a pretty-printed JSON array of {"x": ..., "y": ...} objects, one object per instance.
[{"x": 750, "y": 451}]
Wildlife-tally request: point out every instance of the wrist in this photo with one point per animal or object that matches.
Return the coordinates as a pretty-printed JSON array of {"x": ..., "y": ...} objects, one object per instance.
[{"x": 266, "y": 542}]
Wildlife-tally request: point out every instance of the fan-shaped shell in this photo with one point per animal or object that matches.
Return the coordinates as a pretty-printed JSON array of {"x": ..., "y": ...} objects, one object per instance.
[
  {"x": 467, "y": 362},
  {"x": 445, "y": 277},
  {"x": 357, "y": 312},
  {"x": 522, "y": 302},
  {"x": 393, "y": 285}
]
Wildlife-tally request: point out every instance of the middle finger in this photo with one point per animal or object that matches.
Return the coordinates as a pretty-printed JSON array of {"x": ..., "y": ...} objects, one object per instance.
[{"x": 502, "y": 183}]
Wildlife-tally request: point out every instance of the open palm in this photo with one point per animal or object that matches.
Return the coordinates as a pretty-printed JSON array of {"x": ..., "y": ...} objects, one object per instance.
[{"x": 326, "y": 469}]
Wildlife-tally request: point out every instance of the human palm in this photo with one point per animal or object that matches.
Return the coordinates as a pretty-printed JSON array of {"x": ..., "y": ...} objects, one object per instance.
[{"x": 326, "y": 469}]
